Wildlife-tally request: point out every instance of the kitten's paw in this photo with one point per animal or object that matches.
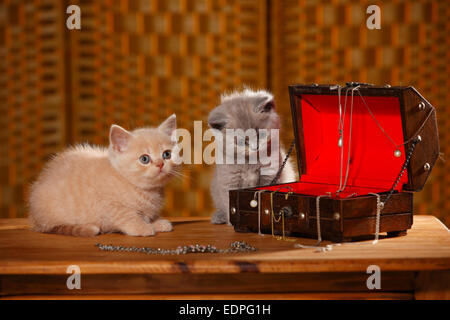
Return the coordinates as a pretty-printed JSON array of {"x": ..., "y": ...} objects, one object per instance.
[
  {"x": 219, "y": 218},
  {"x": 143, "y": 230},
  {"x": 78, "y": 230},
  {"x": 90, "y": 230},
  {"x": 162, "y": 225}
]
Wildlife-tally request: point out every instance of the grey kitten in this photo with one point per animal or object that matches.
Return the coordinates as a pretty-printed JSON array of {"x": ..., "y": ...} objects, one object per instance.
[{"x": 246, "y": 109}]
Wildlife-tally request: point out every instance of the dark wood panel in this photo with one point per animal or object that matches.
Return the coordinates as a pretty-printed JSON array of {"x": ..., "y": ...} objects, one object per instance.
[
  {"x": 229, "y": 296},
  {"x": 427, "y": 150},
  {"x": 338, "y": 216},
  {"x": 388, "y": 223},
  {"x": 207, "y": 283}
]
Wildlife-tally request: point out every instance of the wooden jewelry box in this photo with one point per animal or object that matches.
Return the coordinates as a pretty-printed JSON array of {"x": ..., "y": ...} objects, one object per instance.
[{"x": 361, "y": 152}]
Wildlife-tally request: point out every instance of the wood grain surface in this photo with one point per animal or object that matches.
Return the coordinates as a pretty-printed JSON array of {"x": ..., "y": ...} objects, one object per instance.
[
  {"x": 33, "y": 266},
  {"x": 232, "y": 296},
  {"x": 22, "y": 251}
]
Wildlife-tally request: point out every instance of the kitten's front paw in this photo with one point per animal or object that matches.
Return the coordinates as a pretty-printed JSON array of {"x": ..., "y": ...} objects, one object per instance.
[
  {"x": 162, "y": 225},
  {"x": 219, "y": 217},
  {"x": 142, "y": 230}
]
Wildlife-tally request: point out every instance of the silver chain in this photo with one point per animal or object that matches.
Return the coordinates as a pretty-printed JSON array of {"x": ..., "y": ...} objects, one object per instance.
[
  {"x": 319, "y": 232},
  {"x": 277, "y": 176},
  {"x": 384, "y": 131},
  {"x": 380, "y": 206},
  {"x": 341, "y": 136},
  {"x": 235, "y": 247}
]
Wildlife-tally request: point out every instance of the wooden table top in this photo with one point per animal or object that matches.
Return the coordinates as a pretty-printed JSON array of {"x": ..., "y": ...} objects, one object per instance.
[{"x": 22, "y": 251}]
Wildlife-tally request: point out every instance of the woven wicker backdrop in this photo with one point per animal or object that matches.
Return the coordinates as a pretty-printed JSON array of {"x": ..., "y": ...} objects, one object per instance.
[{"x": 136, "y": 62}]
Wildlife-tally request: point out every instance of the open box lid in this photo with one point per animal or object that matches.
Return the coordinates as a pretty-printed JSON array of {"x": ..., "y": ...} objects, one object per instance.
[{"x": 382, "y": 120}]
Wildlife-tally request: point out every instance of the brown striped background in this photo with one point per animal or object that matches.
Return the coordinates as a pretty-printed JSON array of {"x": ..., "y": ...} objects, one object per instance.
[{"x": 134, "y": 62}]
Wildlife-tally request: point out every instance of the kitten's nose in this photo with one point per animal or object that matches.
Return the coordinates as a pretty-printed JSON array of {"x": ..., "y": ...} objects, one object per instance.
[{"x": 159, "y": 164}]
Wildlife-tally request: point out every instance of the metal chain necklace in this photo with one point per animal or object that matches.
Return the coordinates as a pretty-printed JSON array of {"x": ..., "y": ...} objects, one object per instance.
[
  {"x": 343, "y": 184},
  {"x": 414, "y": 139},
  {"x": 380, "y": 207},
  {"x": 414, "y": 142},
  {"x": 235, "y": 247},
  {"x": 277, "y": 176},
  {"x": 397, "y": 152}
]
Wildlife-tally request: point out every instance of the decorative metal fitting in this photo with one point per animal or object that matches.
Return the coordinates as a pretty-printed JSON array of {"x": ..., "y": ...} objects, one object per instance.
[
  {"x": 426, "y": 167},
  {"x": 266, "y": 211},
  {"x": 233, "y": 210},
  {"x": 302, "y": 215},
  {"x": 422, "y": 105},
  {"x": 387, "y": 85},
  {"x": 336, "y": 216}
]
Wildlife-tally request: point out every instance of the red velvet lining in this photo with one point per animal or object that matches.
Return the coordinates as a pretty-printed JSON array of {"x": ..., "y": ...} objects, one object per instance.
[
  {"x": 373, "y": 166},
  {"x": 317, "y": 189}
]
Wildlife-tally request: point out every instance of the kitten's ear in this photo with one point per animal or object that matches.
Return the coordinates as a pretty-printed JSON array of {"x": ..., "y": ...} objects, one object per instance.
[
  {"x": 217, "y": 120},
  {"x": 169, "y": 125},
  {"x": 119, "y": 138},
  {"x": 265, "y": 104}
]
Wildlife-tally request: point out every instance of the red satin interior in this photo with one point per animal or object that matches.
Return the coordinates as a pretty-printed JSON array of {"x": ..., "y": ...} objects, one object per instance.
[
  {"x": 317, "y": 189},
  {"x": 373, "y": 166}
]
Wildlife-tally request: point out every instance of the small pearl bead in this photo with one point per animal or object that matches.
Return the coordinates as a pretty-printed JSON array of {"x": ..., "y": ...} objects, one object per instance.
[
  {"x": 253, "y": 203},
  {"x": 397, "y": 153}
]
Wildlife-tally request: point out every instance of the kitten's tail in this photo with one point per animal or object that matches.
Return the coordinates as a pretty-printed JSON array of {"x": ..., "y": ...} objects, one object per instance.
[{"x": 79, "y": 230}]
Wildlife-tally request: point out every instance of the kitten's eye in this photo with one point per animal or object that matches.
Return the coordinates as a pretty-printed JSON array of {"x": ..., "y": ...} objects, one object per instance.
[
  {"x": 268, "y": 106},
  {"x": 217, "y": 125},
  {"x": 166, "y": 154},
  {"x": 144, "y": 159}
]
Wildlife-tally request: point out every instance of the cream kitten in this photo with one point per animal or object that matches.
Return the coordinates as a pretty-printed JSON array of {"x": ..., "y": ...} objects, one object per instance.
[{"x": 88, "y": 190}]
